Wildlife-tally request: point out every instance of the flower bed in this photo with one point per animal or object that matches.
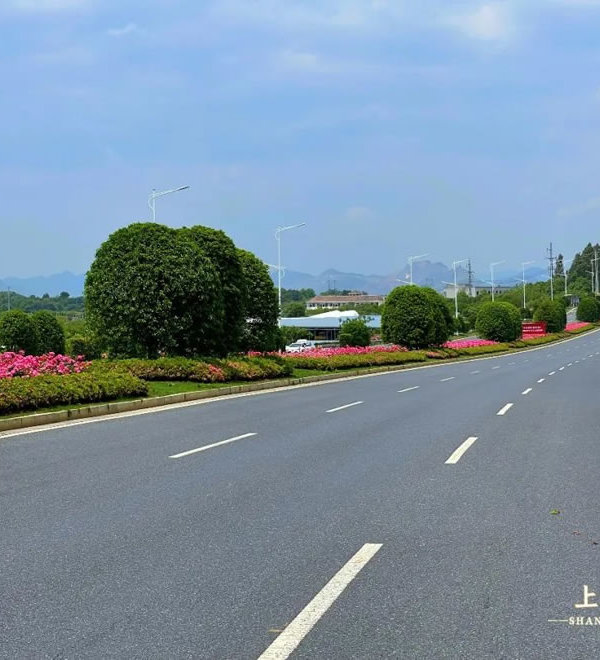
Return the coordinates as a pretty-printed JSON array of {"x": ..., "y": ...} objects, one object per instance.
[
  {"x": 19, "y": 365},
  {"x": 468, "y": 343},
  {"x": 577, "y": 326}
]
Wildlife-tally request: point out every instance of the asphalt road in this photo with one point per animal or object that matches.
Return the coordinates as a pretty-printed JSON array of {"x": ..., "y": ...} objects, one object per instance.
[{"x": 341, "y": 534}]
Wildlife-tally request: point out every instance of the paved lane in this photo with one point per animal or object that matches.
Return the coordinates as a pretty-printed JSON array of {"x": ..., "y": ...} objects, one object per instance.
[{"x": 111, "y": 549}]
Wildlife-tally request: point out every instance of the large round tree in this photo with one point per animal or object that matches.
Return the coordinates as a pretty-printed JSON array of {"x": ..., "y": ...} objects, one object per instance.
[
  {"x": 151, "y": 290},
  {"x": 222, "y": 252},
  {"x": 261, "y": 309},
  {"x": 410, "y": 318}
]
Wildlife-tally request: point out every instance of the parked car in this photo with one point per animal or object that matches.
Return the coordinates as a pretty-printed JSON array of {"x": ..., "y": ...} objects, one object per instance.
[{"x": 300, "y": 345}]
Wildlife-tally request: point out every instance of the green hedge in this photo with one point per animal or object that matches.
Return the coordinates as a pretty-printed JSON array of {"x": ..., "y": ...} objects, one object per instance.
[
  {"x": 18, "y": 394},
  {"x": 201, "y": 371}
]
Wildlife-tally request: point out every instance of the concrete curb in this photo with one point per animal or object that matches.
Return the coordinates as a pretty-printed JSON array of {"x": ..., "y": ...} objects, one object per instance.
[{"x": 99, "y": 410}]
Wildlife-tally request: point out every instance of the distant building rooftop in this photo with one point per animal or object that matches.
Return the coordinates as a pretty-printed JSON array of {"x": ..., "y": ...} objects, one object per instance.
[{"x": 332, "y": 302}]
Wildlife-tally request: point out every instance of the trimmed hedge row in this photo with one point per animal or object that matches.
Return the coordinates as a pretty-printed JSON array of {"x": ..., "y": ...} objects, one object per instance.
[
  {"x": 17, "y": 394},
  {"x": 201, "y": 371}
]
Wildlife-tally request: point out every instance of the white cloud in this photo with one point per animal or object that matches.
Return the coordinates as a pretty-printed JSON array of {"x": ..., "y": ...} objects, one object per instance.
[
  {"x": 123, "y": 31},
  {"x": 489, "y": 22},
  {"x": 47, "y": 6}
]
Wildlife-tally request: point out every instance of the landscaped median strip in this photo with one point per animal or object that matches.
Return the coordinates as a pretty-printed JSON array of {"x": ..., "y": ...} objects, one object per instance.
[{"x": 82, "y": 413}]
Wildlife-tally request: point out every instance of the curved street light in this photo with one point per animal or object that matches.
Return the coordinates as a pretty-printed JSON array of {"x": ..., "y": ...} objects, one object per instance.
[{"x": 154, "y": 195}]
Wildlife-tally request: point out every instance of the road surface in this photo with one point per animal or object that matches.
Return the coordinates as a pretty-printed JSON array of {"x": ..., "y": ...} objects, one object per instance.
[{"x": 440, "y": 512}]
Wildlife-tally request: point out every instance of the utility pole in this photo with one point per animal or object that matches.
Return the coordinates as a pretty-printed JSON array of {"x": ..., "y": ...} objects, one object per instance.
[
  {"x": 551, "y": 258},
  {"x": 596, "y": 291},
  {"x": 470, "y": 276}
]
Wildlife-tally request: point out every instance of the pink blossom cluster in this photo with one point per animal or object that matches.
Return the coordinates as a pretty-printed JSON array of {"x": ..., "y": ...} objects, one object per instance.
[
  {"x": 13, "y": 365},
  {"x": 468, "y": 343},
  {"x": 576, "y": 325},
  {"x": 347, "y": 350}
]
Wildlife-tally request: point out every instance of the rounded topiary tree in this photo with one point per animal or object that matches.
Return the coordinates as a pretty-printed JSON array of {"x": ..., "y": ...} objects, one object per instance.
[
  {"x": 355, "y": 332},
  {"x": 261, "y": 331},
  {"x": 588, "y": 310},
  {"x": 553, "y": 313},
  {"x": 151, "y": 291},
  {"x": 444, "y": 320},
  {"x": 498, "y": 321},
  {"x": 221, "y": 250},
  {"x": 409, "y": 318},
  {"x": 51, "y": 335},
  {"x": 18, "y": 332}
]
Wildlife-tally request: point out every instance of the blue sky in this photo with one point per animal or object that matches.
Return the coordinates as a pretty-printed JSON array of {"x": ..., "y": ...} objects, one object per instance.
[{"x": 390, "y": 127}]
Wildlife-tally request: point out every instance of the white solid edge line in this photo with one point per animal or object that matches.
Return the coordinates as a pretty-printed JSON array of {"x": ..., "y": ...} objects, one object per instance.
[
  {"x": 348, "y": 405},
  {"x": 527, "y": 390},
  {"x": 214, "y": 444},
  {"x": 446, "y": 379},
  {"x": 541, "y": 380},
  {"x": 114, "y": 417},
  {"x": 505, "y": 409},
  {"x": 285, "y": 644},
  {"x": 457, "y": 453},
  {"x": 409, "y": 389}
]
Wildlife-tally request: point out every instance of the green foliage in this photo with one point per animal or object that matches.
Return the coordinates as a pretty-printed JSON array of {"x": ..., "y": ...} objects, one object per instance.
[
  {"x": 293, "y": 310},
  {"x": 224, "y": 256},
  {"x": 444, "y": 320},
  {"x": 151, "y": 290},
  {"x": 83, "y": 345},
  {"x": 553, "y": 313},
  {"x": 51, "y": 336},
  {"x": 355, "y": 332},
  {"x": 588, "y": 310},
  {"x": 296, "y": 295},
  {"x": 17, "y": 394},
  {"x": 71, "y": 307},
  {"x": 202, "y": 371},
  {"x": 410, "y": 318},
  {"x": 498, "y": 321},
  {"x": 18, "y": 332},
  {"x": 261, "y": 309}
]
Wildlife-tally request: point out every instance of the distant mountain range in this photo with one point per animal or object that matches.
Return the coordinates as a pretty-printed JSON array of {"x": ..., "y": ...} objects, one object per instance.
[{"x": 425, "y": 273}]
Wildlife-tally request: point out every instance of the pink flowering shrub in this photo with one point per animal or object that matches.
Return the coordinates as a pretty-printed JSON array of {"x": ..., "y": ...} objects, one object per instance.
[
  {"x": 19, "y": 365},
  {"x": 469, "y": 343},
  {"x": 577, "y": 325}
]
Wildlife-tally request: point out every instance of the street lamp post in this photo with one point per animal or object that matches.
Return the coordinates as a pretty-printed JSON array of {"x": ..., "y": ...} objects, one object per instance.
[
  {"x": 411, "y": 260},
  {"x": 454, "y": 265},
  {"x": 494, "y": 263},
  {"x": 523, "y": 264},
  {"x": 566, "y": 261},
  {"x": 155, "y": 194},
  {"x": 278, "y": 233}
]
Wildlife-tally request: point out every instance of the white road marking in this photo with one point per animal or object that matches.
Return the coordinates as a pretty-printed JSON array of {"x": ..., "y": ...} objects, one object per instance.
[
  {"x": 510, "y": 364},
  {"x": 475, "y": 372},
  {"x": 348, "y": 405},
  {"x": 527, "y": 390},
  {"x": 561, "y": 369},
  {"x": 495, "y": 367},
  {"x": 591, "y": 355},
  {"x": 446, "y": 379},
  {"x": 505, "y": 409},
  {"x": 409, "y": 389},
  {"x": 541, "y": 380},
  {"x": 576, "y": 361},
  {"x": 457, "y": 453},
  {"x": 214, "y": 444},
  {"x": 285, "y": 644},
  {"x": 552, "y": 373}
]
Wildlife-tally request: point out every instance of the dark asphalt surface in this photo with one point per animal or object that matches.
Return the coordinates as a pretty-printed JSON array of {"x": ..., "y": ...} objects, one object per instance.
[{"x": 110, "y": 549}]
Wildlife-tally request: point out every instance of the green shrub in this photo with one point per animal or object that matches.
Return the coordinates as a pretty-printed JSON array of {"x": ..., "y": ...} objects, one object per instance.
[
  {"x": 553, "y": 313},
  {"x": 51, "y": 336},
  {"x": 355, "y": 333},
  {"x": 201, "y": 371},
  {"x": 498, "y": 321},
  {"x": 17, "y": 394},
  {"x": 444, "y": 320},
  {"x": 409, "y": 318},
  {"x": 588, "y": 310},
  {"x": 86, "y": 346},
  {"x": 18, "y": 332}
]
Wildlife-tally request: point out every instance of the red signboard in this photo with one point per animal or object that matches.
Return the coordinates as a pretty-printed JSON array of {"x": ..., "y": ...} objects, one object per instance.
[{"x": 534, "y": 328}]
